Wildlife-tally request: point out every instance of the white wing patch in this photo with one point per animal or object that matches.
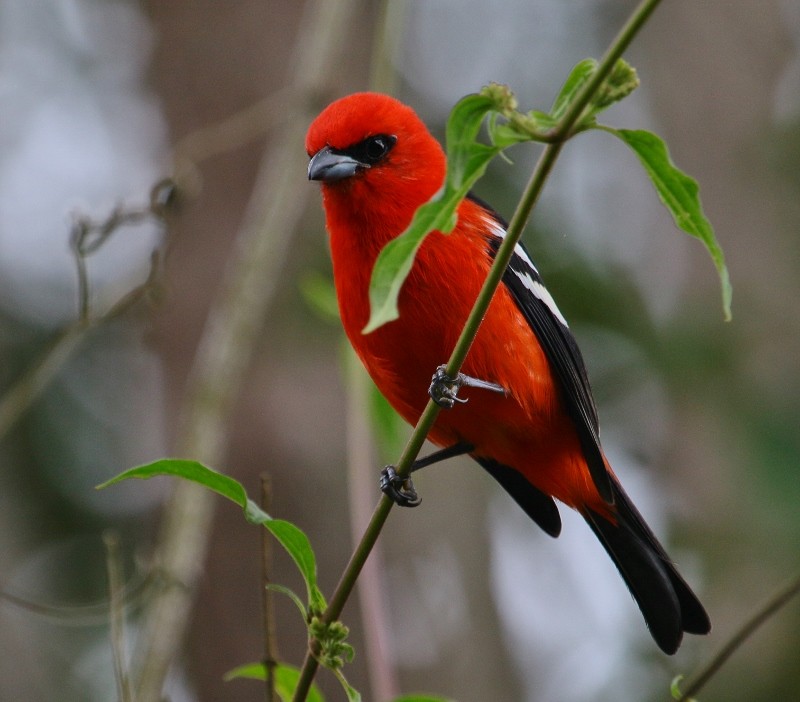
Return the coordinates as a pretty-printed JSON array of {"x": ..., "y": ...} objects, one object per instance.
[
  {"x": 499, "y": 231},
  {"x": 539, "y": 291}
]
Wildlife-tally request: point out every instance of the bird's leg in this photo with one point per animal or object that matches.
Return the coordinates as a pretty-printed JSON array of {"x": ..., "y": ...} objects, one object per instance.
[
  {"x": 443, "y": 389},
  {"x": 401, "y": 490},
  {"x": 458, "y": 449}
]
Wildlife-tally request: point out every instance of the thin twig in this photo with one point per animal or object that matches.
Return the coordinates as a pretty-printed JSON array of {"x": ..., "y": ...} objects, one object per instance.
[
  {"x": 770, "y": 607},
  {"x": 117, "y": 614},
  {"x": 270, "y": 635},
  {"x": 88, "y": 615},
  {"x": 78, "y": 232},
  {"x": 431, "y": 411},
  {"x": 30, "y": 385},
  {"x": 244, "y": 126},
  {"x": 88, "y": 237}
]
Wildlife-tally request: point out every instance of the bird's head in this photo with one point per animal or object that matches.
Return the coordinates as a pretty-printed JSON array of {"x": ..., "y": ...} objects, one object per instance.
[{"x": 372, "y": 151}]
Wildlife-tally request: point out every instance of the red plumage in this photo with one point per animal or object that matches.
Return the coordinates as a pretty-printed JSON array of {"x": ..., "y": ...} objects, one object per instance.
[{"x": 378, "y": 162}]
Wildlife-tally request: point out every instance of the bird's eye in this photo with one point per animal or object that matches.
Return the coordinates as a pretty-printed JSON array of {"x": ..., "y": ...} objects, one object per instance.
[{"x": 374, "y": 148}]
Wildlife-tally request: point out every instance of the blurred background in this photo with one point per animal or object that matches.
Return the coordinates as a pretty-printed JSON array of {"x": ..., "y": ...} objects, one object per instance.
[{"x": 103, "y": 98}]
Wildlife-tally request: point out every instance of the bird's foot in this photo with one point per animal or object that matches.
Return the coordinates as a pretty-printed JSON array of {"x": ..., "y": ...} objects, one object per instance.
[
  {"x": 443, "y": 389},
  {"x": 400, "y": 490}
]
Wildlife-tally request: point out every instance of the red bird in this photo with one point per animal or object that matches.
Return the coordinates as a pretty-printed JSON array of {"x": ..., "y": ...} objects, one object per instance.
[{"x": 538, "y": 437}]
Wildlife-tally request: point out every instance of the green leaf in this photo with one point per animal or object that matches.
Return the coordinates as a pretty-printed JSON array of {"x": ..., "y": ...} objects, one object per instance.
[
  {"x": 290, "y": 537},
  {"x": 680, "y": 194},
  {"x": 521, "y": 127},
  {"x": 466, "y": 163},
  {"x": 353, "y": 695},
  {"x": 395, "y": 260},
  {"x": 575, "y": 81},
  {"x": 274, "y": 587},
  {"x": 188, "y": 470},
  {"x": 252, "y": 671},
  {"x": 620, "y": 83},
  {"x": 464, "y": 152},
  {"x": 675, "y": 689},
  {"x": 285, "y": 676},
  {"x": 296, "y": 543}
]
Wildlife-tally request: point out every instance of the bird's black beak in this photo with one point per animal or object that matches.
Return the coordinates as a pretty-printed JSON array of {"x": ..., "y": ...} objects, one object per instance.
[{"x": 328, "y": 166}]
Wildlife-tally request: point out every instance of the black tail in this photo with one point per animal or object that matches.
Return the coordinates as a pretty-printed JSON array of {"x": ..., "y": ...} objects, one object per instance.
[{"x": 667, "y": 603}]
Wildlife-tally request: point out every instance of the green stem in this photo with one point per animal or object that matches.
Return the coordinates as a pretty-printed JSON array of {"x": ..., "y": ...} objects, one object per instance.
[
  {"x": 529, "y": 198},
  {"x": 30, "y": 386},
  {"x": 116, "y": 604},
  {"x": 778, "y": 600},
  {"x": 618, "y": 46}
]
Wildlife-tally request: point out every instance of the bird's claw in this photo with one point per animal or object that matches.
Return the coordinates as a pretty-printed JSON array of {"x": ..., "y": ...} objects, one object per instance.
[
  {"x": 400, "y": 490},
  {"x": 443, "y": 389}
]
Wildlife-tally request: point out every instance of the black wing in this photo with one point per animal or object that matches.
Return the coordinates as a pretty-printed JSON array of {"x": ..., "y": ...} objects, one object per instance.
[
  {"x": 534, "y": 301},
  {"x": 539, "y": 507}
]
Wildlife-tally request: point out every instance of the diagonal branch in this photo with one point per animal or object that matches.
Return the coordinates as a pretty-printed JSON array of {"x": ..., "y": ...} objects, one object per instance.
[
  {"x": 529, "y": 198},
  {"x": 778, "y": 600}
]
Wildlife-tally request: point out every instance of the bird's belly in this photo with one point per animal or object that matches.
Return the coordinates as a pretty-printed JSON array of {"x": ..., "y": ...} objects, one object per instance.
[
  {"x": 488, "y": 420},
  {"x": 527, "y": 429}
]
